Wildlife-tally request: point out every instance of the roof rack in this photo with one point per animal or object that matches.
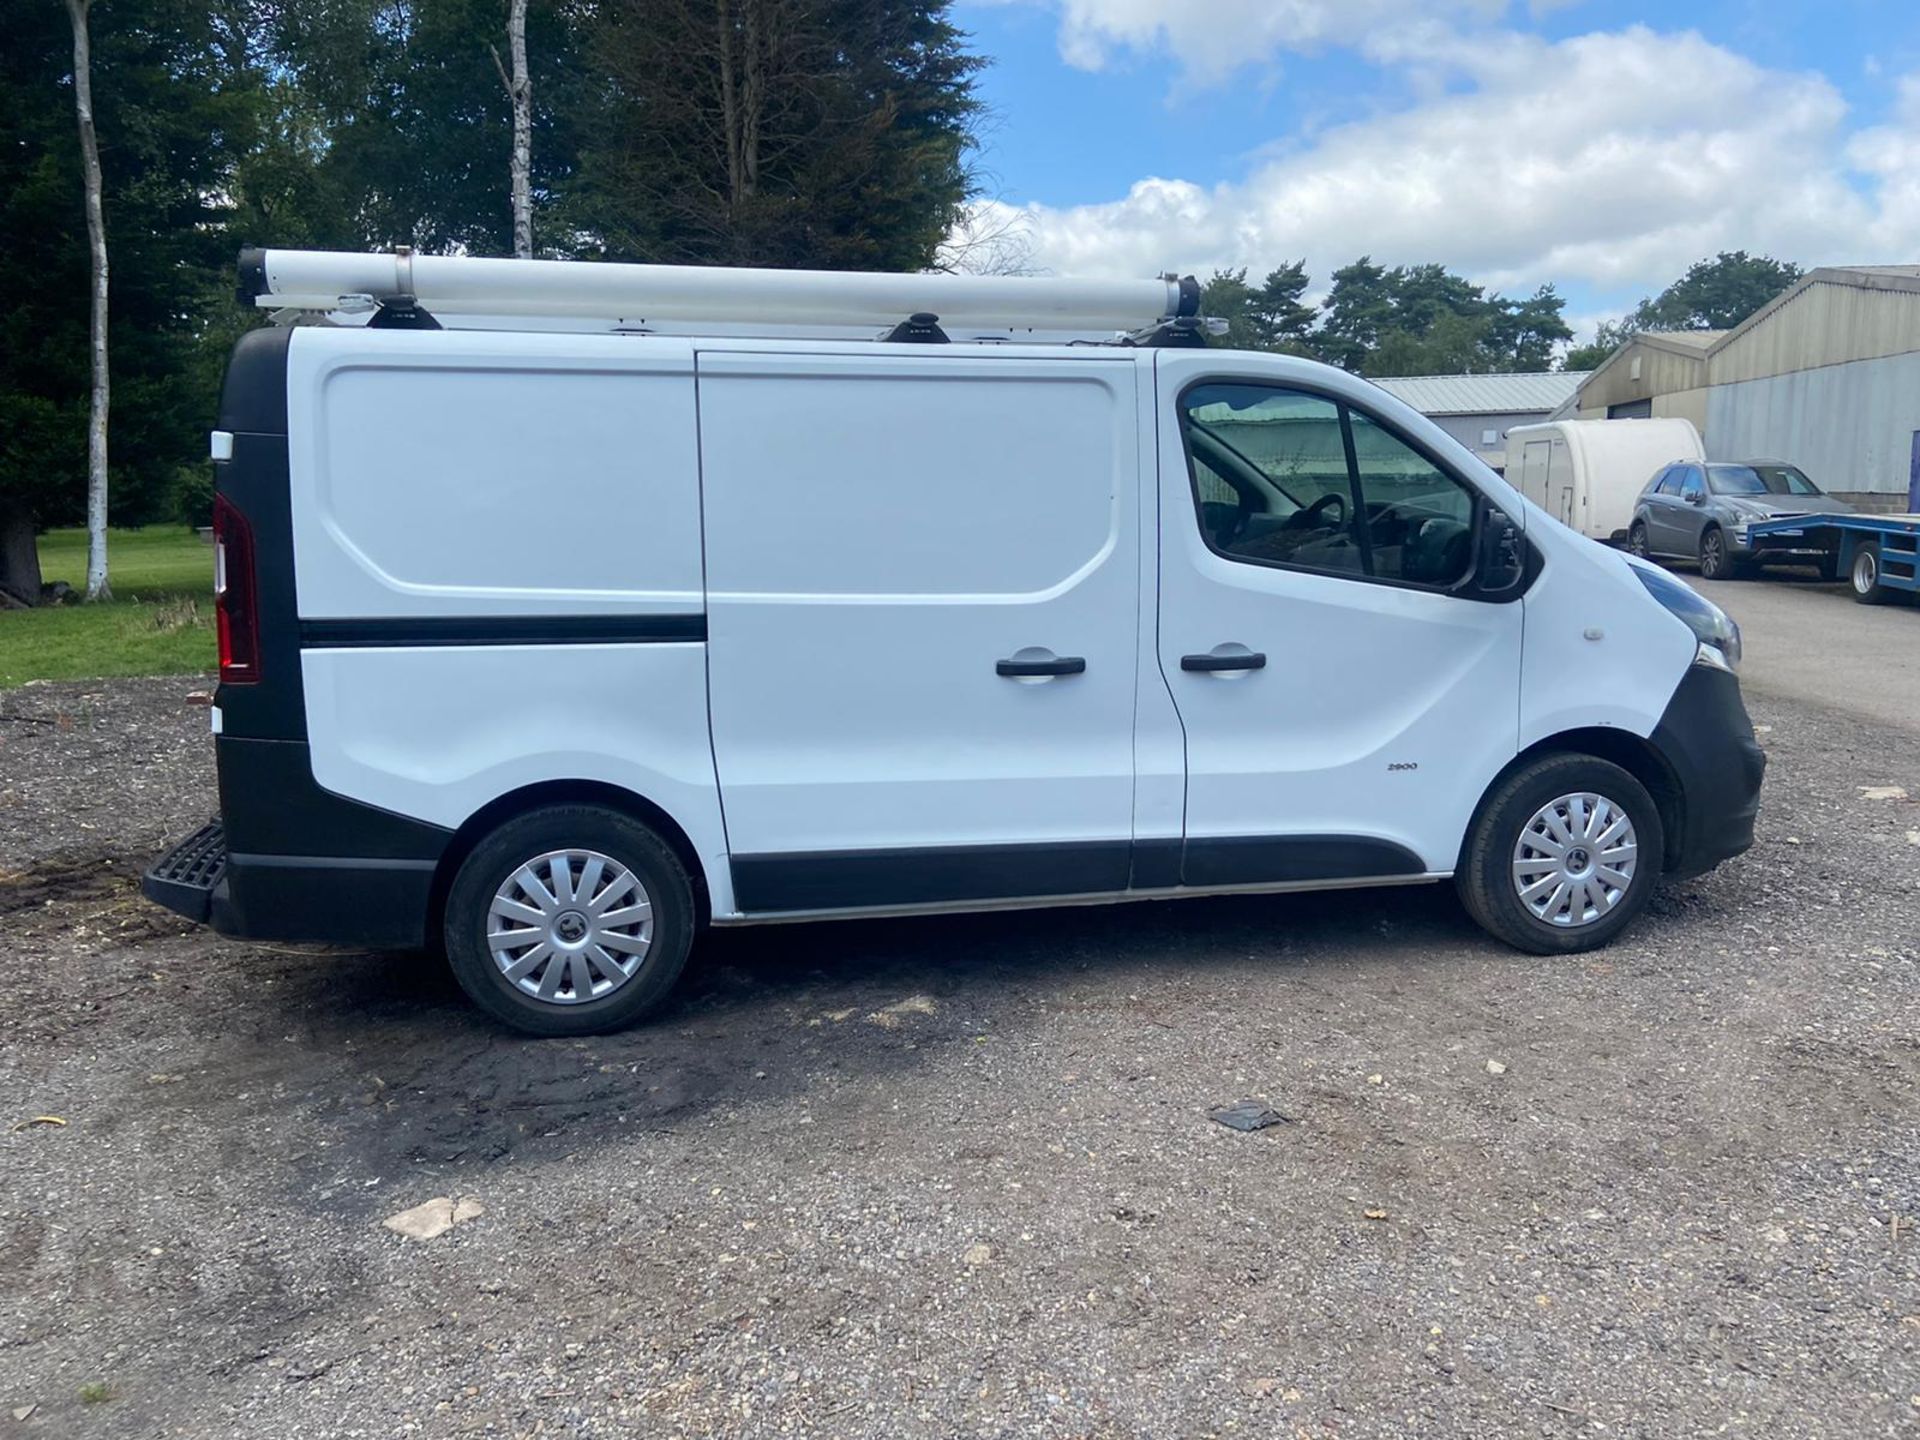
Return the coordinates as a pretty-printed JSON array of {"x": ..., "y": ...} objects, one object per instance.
[{"x": 416, "y": 291}]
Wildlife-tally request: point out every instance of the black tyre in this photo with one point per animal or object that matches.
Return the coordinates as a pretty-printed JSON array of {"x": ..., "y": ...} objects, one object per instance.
[
  {"x": 571, "y": 920},
  {"x": 1562, "y": 855},
  {"x": 1863, "y": 576},
  {"x": 1637, "y": 541},
  {"x": 1715, "y": 562}
]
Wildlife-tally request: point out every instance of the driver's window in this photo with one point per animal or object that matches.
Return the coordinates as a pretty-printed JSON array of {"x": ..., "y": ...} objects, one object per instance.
[
  {"x": 1270, "y": 476},
  {"x": 1282, "y": 477},
  {"x": 1419, "y": 518},
  {"x": 1693, "y": 487}
]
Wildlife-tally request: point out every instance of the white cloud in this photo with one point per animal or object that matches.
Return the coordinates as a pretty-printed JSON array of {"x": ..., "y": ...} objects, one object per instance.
[
  {"x": 1212, "y": 38},
  {"x": 1610, "y": 159},
  {"x": 1890, "y": 155}
]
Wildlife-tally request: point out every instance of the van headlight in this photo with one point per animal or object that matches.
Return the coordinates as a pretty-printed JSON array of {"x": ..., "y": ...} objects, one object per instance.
[{"x": 1716, "y": 631}]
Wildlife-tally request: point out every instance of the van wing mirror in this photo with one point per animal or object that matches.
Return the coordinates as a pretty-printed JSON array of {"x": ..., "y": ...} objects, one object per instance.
[{"x": 1503, "y": 553}]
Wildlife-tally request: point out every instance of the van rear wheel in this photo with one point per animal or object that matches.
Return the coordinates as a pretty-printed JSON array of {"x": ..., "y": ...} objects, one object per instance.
[
  {"x": 569, "y": 920},
  {"x": 1563, "y": 855}
]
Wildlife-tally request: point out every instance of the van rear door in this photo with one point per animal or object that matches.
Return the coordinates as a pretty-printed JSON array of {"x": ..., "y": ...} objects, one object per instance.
[{"x": 922, "y": 600}]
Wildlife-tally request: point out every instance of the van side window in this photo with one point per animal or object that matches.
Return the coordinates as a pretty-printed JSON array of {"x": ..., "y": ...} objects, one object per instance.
[
  {"x": 1270, "y": 476},
  {"x": 1286, "y": 478},
  {"x": 1419, "y": 524}
]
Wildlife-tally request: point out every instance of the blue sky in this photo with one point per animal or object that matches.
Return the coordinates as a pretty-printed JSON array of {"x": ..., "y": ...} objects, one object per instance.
[{"x": 1598, "y": 145}]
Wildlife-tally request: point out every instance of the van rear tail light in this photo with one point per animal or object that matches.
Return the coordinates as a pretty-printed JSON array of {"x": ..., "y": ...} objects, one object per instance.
[{"x": 235, "y": 613}]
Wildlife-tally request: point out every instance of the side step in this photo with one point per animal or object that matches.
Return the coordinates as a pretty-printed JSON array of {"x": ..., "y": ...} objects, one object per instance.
[{"x": 184, "y": 878}]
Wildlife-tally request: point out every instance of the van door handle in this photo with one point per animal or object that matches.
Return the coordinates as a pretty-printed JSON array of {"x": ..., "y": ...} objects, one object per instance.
[
  {"x": 1041, "y": 665},
  {"x": 1214, "y": 664}
]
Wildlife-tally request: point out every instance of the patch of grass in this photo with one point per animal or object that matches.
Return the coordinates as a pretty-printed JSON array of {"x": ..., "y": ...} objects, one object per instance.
[
  {"x": 96, "y": 1392},
  {"x": 161, "y": 559},
  {"x": 160, "y": 621}
]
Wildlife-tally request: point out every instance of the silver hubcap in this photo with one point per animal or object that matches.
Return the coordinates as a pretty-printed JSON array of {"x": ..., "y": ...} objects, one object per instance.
[
  {"x": 1574, "y": 860},
  {"x": 1710, "y": 553},
  {"x": 1866, "y": 571},
  {"x": 570, "y": 926}
]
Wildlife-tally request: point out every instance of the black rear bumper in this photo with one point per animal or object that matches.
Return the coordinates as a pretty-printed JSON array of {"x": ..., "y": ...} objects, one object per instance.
[
  {"x": 185, "y": 878},
  {"x": 1707, "y": 739},
  {"x": 378, "y": 904}
]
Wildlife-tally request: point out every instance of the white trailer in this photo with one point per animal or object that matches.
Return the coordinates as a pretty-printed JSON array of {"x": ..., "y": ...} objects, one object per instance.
[{"x": 1588, "y": 473}]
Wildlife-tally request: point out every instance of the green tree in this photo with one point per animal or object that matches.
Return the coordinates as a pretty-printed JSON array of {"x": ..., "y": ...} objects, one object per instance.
[
  {"x": 392, "y": 127},
  {"x": 1358, "y": 308},
  {"x": 1608, "y": 337},
  {"x": 813, "y": 133},
  {"x": 170, "y": 126},
  {"x": 1525, "y": 333},
  {"x": 1716, "y": 294},
  {"x": 1269, "y": 317},
  {"x": 1426, "y": 320}
]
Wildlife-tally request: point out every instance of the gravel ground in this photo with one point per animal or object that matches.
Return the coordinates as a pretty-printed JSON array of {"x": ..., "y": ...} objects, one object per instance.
[{"x": 955, "y": 1177}]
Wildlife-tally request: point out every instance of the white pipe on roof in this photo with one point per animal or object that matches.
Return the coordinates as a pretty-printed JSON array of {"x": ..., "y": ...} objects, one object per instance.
[{"x": 638, "y": 294}]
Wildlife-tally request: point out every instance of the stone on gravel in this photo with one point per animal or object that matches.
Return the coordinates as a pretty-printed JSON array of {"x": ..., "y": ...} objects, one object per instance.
[
  {"x": 891, "y": 1016},
  {"x": 1247, "y": 1115},
  {"x": 433, "y": 1218},
  {"x": 1495, "y": 1067}
]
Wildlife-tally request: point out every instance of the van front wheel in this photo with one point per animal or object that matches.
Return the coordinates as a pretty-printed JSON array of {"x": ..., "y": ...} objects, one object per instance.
[
  {"x": 569, "y": 920},
  {"x": 1563, "y": 855}
]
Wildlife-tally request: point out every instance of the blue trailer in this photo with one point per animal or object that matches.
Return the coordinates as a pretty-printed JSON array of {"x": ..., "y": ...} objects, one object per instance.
[{"x": 1876, "y": 553}]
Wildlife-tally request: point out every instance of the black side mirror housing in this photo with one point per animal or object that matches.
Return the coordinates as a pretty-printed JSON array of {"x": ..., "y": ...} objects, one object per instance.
[{"x": 1503, "y": 553}]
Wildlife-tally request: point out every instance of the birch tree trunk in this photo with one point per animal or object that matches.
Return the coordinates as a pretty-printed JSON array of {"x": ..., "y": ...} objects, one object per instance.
[
  {"x": 520, "y": 91},
  {"x": 97, "y": 587},
  {"x": 729, "y": 101}
]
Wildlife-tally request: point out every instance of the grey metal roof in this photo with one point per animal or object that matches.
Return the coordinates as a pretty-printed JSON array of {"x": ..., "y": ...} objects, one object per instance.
[{"x": 1484, "y": 394}]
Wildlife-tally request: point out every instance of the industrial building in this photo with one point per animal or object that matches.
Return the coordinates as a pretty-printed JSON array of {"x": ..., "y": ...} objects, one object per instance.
[
  {"x": 1827, "y": 376},
  {"x": 1478, "y": 410}
]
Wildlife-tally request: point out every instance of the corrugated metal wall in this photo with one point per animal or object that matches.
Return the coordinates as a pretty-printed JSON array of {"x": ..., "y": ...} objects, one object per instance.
[
  {"x": 1824, "y": 324},
  {"x": 1468, "y": 429},
  {"x": 1850, "y": 426},
  {"x": 1679, "y": 405},
  {"x": 1661, "y": 372}
]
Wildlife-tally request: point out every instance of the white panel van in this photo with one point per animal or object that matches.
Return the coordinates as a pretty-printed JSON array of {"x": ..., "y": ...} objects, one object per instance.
[
  {"x": 552, "y": 643},
  {"x": 1588, "y": 474}
]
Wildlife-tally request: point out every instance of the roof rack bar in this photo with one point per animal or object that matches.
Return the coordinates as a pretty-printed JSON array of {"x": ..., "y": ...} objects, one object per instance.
[{"x": 637, "y": 294}]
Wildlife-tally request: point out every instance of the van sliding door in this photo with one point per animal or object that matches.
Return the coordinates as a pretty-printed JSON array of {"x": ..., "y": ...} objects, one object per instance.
[{"x": 922, "y": 599}]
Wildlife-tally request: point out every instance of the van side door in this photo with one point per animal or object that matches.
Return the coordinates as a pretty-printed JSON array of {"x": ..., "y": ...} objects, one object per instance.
[
  {"x": 1344, "y": 701},
  {"x": 923, "y": 621}
]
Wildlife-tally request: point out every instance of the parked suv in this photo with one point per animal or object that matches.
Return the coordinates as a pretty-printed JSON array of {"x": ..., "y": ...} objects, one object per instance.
[{"x": 1701, "y": 512}]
